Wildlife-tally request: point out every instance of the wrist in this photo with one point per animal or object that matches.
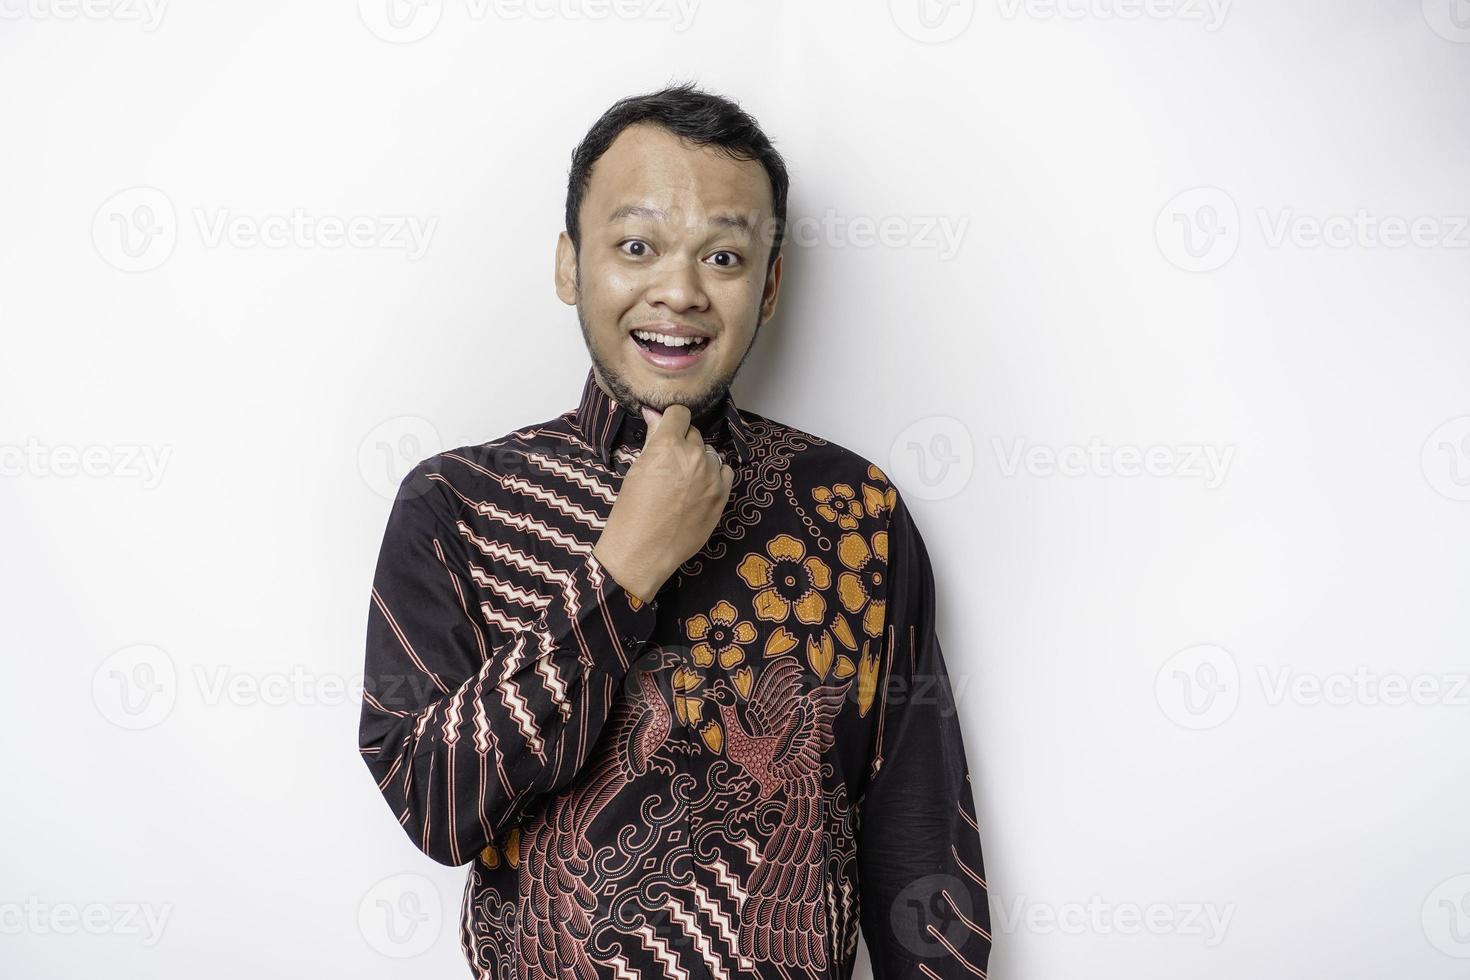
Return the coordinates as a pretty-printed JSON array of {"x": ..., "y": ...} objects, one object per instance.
[{"x": 630, "y": 574}]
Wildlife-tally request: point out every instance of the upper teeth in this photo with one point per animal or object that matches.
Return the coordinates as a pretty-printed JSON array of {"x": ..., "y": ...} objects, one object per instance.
[{"x": 668, "y": 340}]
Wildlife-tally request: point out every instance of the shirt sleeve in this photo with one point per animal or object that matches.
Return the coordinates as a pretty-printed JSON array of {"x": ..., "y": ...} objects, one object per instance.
[
  {"x": 924, "y": 901},
  {"x": 469, "y": 713}
]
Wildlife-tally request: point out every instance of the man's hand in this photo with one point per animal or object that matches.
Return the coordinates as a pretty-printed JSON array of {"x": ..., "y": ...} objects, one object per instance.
[{"x": 671, "y": 499}]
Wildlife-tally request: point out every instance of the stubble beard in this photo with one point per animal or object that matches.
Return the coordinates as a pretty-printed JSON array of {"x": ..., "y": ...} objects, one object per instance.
[{"x": 624, "y": 394}]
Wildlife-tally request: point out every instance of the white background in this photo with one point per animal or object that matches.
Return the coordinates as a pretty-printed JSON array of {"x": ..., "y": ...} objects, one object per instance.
[{"x": 1225, "y": 700}]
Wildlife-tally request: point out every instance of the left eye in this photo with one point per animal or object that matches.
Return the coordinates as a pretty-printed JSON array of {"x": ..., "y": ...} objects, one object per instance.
[{"x": 733, "y": 259}]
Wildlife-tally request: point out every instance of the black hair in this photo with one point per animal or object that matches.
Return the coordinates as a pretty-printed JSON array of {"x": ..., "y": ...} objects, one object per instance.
[{"x": 701, "y": 118}]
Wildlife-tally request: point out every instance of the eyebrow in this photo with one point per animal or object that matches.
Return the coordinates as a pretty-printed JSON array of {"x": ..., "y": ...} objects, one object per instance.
[{"x": 724, "y": 219}]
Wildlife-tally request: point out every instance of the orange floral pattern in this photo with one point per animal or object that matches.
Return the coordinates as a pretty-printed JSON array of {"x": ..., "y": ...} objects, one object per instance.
[
  {"x": 720, "y": 635},
  {"x": 839, "y": 504},
  {"x": 787, "y": 580},
  {"x": 866, "y": 561}
]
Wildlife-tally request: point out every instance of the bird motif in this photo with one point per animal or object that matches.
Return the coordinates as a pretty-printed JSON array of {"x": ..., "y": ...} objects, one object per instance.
[
  {"x": 783, "y": 919},
  {"x": 556, "y": 906}
]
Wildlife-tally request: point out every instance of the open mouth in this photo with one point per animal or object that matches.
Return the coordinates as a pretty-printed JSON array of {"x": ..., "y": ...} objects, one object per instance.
[
  {"x": 668, "y": 351},
  {"x": 670, "y": 346}
]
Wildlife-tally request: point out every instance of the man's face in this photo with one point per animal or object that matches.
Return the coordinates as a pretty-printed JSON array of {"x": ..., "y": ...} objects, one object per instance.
[{"x": 674, "y": 236}]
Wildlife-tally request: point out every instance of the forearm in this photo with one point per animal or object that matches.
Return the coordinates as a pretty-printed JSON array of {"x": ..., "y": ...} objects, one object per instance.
[{"x": 460, "y": 765}]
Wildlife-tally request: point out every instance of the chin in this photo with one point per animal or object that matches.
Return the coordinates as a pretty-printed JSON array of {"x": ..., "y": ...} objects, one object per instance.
[{"x": 665, "y": 393}]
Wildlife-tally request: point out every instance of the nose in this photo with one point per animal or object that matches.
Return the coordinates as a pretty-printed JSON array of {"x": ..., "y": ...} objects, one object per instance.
[{"x": 676, "y": 285}]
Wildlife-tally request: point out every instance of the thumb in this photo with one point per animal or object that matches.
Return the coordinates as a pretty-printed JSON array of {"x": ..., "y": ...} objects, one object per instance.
[{"x": 652, "y": 417}]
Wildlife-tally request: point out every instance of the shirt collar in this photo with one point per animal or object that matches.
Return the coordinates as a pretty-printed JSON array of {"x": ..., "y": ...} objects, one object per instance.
[{"x": 602, "y": 421}]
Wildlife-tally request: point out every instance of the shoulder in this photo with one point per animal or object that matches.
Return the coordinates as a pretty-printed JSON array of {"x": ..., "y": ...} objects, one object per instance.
[
  {"x": 835, "y": 476},
  {"x": 476, "y": 469}
]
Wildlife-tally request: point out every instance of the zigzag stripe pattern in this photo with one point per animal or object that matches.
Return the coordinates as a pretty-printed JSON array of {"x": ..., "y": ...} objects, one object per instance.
[
  {"x": 581, "y": 478},
  {"x": 662, "y": 954}
]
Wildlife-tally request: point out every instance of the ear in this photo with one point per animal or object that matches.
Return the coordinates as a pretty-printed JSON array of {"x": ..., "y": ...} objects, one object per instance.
[
  {"x": 772, "y": 290},
  {"x": 566, "y": 270}
]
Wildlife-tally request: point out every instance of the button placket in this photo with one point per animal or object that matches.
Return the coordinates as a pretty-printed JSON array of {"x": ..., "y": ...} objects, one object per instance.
[{"x": 670, "y": 629}]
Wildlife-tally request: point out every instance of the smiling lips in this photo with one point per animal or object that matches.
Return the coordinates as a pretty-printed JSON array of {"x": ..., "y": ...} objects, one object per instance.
[{"x": 669, "y": 346}]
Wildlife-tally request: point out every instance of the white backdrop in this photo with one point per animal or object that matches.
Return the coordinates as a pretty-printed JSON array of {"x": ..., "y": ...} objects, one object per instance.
[{"x": 1156, "y": 309}]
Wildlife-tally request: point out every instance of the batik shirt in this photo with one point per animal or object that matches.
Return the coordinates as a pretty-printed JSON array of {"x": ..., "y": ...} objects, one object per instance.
[{"x": 729, "y": 779}]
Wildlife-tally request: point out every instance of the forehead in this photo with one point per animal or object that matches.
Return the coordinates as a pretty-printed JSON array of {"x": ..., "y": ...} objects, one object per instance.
[{"x": 648, "y": 165}]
